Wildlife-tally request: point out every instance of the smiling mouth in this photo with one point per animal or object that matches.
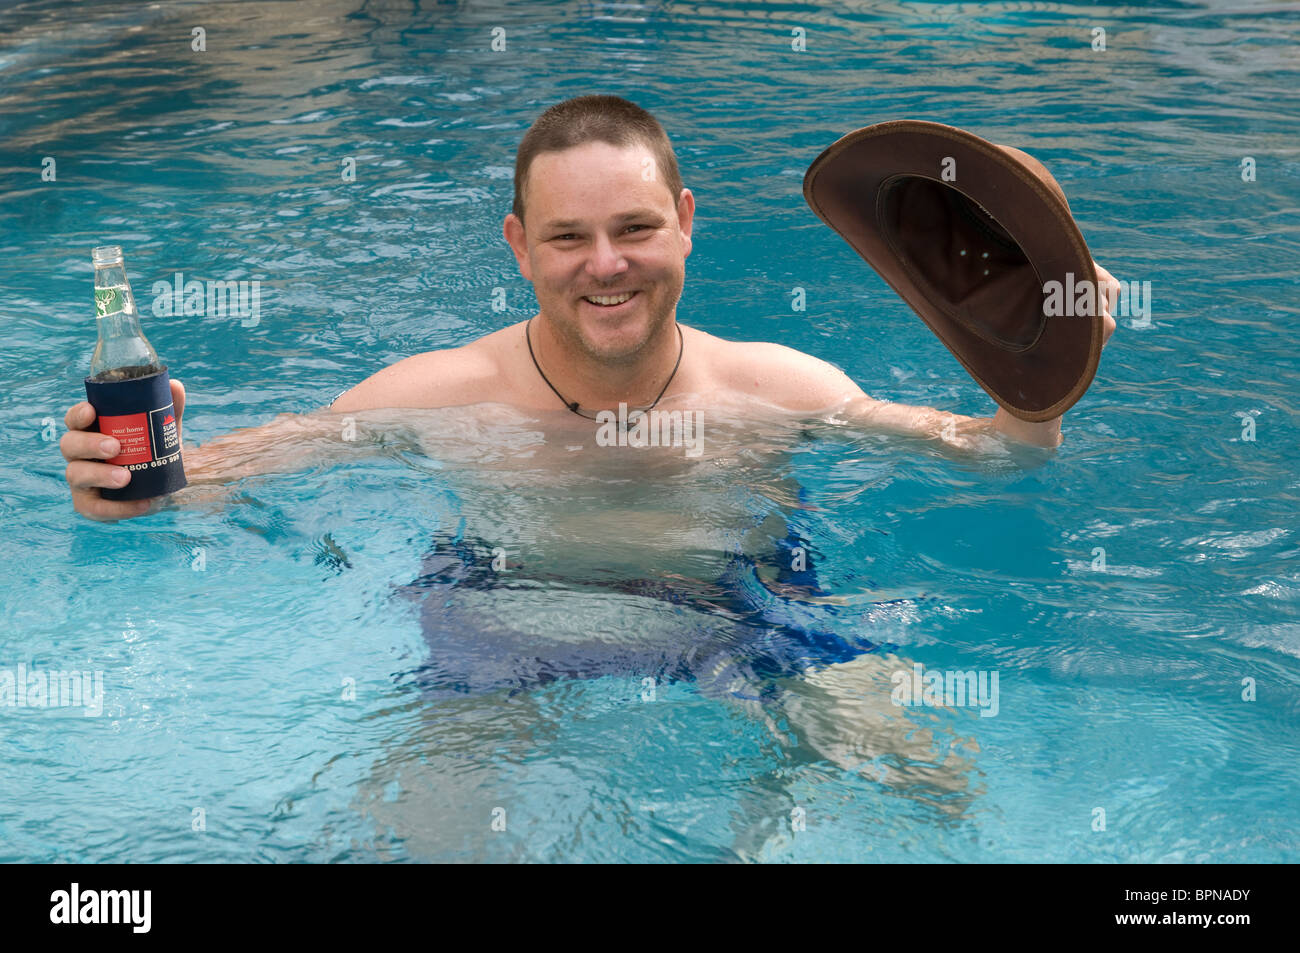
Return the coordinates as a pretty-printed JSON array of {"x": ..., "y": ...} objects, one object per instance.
[{"x": 610, "y": 301}]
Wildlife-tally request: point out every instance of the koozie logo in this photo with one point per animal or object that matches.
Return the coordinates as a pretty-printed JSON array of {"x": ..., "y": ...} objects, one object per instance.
[{"x": 165, "y": 430}]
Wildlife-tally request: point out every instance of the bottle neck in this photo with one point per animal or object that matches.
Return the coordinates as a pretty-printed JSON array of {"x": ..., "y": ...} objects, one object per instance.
[{"x": 122, "y": 343}]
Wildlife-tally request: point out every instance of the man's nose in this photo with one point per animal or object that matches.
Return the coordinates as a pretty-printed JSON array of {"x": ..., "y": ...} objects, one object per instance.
[{"x": 606, "y": 260}]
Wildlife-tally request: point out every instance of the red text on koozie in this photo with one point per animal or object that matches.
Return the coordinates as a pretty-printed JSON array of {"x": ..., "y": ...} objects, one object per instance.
[{"x": 132, "y": 432}]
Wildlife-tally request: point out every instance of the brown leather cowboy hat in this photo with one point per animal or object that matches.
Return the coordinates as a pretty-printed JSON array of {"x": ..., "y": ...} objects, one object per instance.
[{"x": 970, "y": 233}]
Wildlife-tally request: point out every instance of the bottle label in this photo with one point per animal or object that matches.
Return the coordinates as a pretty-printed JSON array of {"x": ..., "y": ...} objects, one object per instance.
[{"x": 110, "y": 300}]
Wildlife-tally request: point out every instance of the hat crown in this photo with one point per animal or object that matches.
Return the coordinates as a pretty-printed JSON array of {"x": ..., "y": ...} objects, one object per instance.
[{"x": 1036, "y": 167}]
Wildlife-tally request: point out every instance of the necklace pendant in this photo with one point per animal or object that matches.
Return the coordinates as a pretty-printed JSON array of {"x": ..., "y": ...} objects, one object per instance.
[{"x": 630, "y": 419}]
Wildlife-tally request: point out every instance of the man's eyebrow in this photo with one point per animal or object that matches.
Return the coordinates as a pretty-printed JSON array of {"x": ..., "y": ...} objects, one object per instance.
[{"x": 626, "y": 216}]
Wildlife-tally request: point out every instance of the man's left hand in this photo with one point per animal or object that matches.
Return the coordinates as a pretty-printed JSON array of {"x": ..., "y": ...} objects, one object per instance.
[{"x": 1048, "y": 433}]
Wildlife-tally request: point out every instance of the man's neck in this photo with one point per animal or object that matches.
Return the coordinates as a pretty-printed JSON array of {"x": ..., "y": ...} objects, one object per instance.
[{"x": 598, "y": 385}]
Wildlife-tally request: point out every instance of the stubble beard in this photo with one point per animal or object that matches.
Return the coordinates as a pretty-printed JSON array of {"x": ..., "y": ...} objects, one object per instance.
[{"x": 570, "y": 331}]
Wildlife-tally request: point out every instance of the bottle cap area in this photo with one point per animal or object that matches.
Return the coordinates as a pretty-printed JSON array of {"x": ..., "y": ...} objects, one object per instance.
[{"x": 106, "y": 255}]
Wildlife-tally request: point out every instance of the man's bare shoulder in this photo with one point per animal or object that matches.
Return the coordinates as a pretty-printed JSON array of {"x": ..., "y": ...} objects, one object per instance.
[
  {"x": 778, "y": 374},
  {"x": 469, "y": 374}
]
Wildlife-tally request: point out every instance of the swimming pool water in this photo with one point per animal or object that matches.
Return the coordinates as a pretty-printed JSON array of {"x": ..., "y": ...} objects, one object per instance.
[{"x": 314, "y": 665}]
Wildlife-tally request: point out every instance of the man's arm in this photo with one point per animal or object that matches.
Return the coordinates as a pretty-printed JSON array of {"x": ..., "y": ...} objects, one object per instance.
[
  {"x": 359, "y": 422},
  {"x": 369, "y": 414},
  {"x": 801, "y": 382},
  {"x": 956, "y": 430},
  {"x": 290, "y": 442}
]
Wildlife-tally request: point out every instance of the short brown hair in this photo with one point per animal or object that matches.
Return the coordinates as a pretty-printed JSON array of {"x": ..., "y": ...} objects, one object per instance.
[{"x": 584, "y": 119}]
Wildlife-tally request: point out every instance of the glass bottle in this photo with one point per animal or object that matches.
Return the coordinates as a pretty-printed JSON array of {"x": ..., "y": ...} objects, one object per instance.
[
  {"x": 123, "y": 352},
  {"x": 130, "y": 389}
]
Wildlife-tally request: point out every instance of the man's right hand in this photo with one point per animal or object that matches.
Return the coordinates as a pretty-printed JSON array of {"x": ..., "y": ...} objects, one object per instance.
[{"x": 84, "y": 449}]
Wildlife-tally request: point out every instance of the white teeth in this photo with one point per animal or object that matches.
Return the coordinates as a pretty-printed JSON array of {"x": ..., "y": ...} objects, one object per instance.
[{"x": 617, "y": 299}]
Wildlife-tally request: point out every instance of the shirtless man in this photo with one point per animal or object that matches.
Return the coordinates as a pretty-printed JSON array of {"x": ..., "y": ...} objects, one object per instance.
[{"x": 591, "y": 220}]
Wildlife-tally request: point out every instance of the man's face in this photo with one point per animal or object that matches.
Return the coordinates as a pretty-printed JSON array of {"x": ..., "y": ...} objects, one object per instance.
[{"x": 601, "y": 223}]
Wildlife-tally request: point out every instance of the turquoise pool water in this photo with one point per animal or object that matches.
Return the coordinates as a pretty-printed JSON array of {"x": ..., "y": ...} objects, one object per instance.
[{"x": 318, "y": 664}]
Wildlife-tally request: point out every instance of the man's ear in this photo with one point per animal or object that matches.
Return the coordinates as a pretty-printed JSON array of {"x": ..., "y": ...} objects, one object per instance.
[
  {"x": 514, "y": 233},
  {"x": 685, "y": 217}
]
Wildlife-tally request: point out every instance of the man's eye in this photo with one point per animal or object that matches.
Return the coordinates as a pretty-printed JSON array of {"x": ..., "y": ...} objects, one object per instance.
[{"x": 570, "y": 236}]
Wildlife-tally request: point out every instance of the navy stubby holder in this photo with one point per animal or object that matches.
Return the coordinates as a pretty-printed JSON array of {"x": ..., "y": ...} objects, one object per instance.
[{"x": 139, "y": 415}]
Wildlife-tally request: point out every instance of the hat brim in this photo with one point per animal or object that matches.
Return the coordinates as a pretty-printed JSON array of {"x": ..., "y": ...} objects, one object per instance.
[{"x": 1034, "y": 364}]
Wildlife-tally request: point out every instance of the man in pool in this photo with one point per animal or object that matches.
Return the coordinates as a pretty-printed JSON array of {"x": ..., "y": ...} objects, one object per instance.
[{"x": 601, "y": 226}]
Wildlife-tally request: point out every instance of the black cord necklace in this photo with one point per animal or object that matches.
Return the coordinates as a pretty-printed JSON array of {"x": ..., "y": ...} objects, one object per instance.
[{"x": 573, "y": 405}]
